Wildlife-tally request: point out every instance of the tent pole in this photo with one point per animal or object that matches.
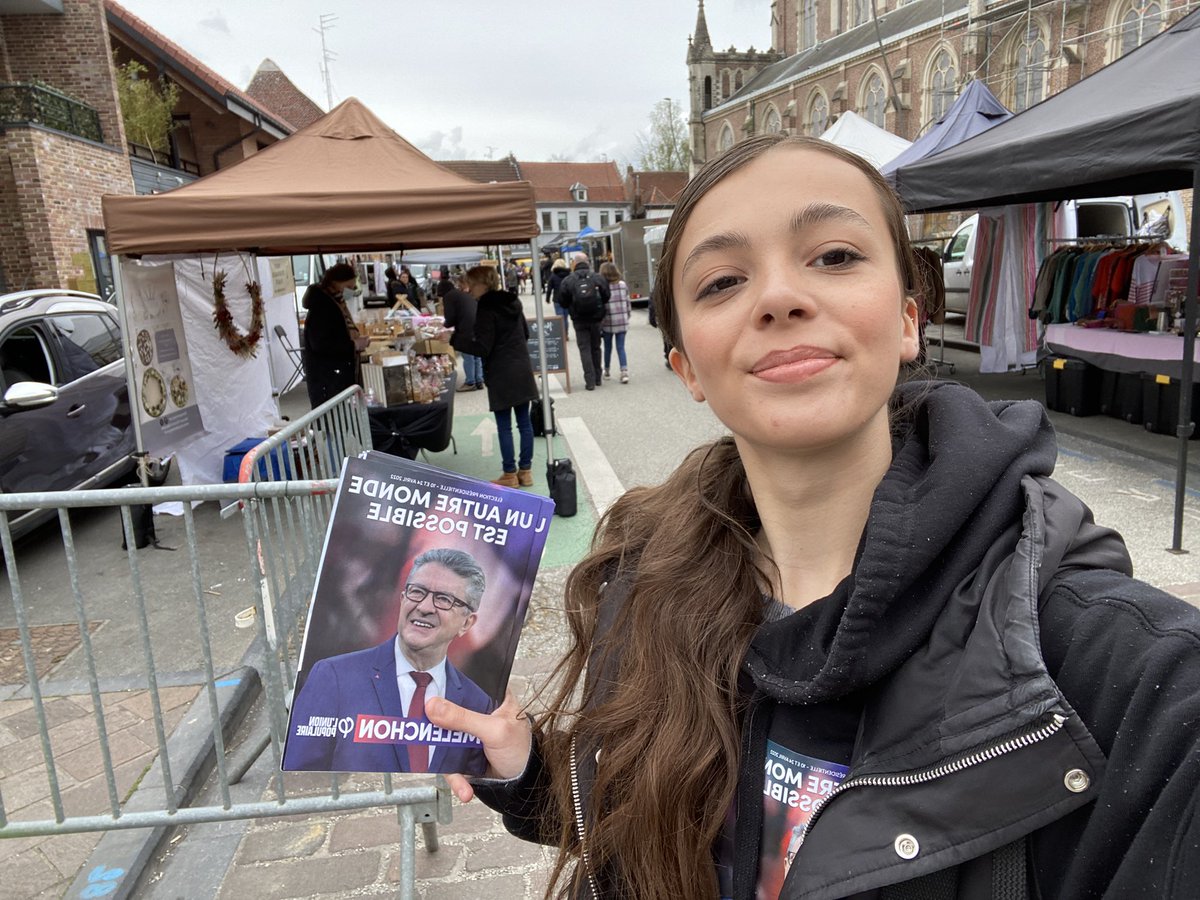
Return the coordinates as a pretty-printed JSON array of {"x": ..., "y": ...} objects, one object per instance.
[
  {"x": 130, "y": 374},
  {"x": 1185, "y": 376},
  {"x": 535, "y": 271}
]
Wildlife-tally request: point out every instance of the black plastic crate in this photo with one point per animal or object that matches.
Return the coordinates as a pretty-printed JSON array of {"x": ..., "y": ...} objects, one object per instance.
[
  {"x": 1121, "y": 395},
  {"x": 1160, "y": 405},
  {"x": 1072, "y": 386}
]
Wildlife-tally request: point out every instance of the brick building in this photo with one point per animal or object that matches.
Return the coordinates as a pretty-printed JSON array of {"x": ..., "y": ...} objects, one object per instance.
[
  {"x": 63, "y": 144},
  {"x": 901, "y": 64}
]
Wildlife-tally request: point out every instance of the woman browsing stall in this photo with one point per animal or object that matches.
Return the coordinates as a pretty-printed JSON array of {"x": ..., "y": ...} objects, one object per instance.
[
  {"x": 331, "y": 339},
  {"x": 864, "y": 646},
  {"x": 501, "y": 333}
]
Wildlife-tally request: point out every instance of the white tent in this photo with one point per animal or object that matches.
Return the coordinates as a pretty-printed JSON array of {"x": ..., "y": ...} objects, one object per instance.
[{"x": 854, "y": 133}]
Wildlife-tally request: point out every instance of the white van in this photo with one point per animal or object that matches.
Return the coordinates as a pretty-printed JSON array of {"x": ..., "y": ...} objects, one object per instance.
[{"x": 1102, "y": 216}]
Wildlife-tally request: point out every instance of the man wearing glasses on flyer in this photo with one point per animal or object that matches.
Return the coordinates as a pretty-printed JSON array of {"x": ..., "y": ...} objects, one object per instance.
[{"x": 439, "y": 602}]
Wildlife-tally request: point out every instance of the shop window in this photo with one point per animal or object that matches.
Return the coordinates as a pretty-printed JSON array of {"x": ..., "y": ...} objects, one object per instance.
[
  {"x": 1029, "y": 64},
  {"x": 101, "y": 263},
  {"x": 942, "y": 85},
  {"x": 562, "y": 221},
  {"x": 818, "y": 114},
  {"x": 874, "y": 100}
]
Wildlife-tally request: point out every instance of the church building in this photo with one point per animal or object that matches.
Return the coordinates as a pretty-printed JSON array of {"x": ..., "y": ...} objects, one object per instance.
[{"x": 900, "y": 64}]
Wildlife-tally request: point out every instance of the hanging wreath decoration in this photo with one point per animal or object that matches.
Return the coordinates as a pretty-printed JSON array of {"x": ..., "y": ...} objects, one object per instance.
[{"x": 244, "y": 345}]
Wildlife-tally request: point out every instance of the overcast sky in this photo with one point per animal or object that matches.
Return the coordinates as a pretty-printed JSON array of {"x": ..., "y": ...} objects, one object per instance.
[{"x": 463, "y": 79}]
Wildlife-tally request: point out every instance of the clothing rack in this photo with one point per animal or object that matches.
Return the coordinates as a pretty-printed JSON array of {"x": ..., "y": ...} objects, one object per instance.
[{"x": 1115, "y": 239}]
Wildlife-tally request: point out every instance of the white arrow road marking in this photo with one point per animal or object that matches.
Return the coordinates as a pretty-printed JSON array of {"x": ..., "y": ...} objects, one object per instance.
[
  {"x": 1139, "y": 495},
  {"x": 487, "y": 436}
]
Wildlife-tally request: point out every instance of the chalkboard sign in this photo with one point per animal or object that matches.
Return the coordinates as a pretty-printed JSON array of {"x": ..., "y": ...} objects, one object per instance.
[{"x": 556, "y": 346}]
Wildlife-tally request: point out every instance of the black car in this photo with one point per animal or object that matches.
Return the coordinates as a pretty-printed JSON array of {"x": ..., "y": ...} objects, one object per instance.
[{"x": 65, "y": 421}]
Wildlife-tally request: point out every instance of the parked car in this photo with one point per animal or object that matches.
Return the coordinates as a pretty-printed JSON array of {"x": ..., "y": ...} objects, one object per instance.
[
  {"x": 65, "y": 420},
  {"x": 1103, "y": 216}
]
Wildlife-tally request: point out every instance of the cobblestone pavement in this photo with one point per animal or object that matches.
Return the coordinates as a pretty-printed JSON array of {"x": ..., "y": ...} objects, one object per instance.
[{"x": 46, "y": 866}]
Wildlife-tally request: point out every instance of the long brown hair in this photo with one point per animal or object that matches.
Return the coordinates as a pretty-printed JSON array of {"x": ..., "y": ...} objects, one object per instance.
[{"x": 666, "y": 711}]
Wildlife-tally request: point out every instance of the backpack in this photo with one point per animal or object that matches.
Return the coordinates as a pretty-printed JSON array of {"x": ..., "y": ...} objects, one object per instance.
[{"x": 586, "y": 303}]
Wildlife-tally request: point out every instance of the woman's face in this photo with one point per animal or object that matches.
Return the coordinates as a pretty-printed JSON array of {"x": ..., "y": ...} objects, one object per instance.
[
  {"x": 404, "y": 277},
  {"x": 791, "y": 312}
]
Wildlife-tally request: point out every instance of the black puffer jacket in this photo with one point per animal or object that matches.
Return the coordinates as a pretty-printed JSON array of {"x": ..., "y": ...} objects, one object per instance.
[
  {"x": 500, "y": 338},
  {"x": 1019, "y": 685}
]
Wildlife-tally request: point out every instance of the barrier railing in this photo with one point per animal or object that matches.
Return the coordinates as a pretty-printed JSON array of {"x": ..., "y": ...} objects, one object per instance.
[{"x": 159, "y": 645}]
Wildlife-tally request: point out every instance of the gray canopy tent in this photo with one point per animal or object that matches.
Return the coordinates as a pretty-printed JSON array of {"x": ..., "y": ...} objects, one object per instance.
[{"x": 1129, "y": 128}]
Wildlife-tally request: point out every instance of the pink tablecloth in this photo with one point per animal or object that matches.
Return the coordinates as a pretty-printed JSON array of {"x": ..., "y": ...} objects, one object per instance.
[{"x": 1121, "y": 351}]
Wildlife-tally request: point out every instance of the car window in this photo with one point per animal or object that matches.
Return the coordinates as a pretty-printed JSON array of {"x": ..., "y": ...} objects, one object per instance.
[
  {"x": 958, "y": 248},
  {"x": 24, "y": 357},
  {"x": 88, "y": 340}
]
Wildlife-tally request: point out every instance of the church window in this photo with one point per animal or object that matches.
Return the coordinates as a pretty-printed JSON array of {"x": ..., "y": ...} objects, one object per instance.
[
  {"x": 725, "y": 141},
  {"x": 874, "y": 100},
  {"x": 772, "y": 124},
  {"x": 862, "y": 11},
  {"x": 808, "y": 24},
  {"x": 942, "y": 85},
  {"x": 708, "y": 100},
  {"x": 1140, "y": 22},
  {"x": 818, "y": 114},
  {"x": 1029, "y": 65},
  {"x": 737, "y": 80},
  {"x": 725, "y": 84}
]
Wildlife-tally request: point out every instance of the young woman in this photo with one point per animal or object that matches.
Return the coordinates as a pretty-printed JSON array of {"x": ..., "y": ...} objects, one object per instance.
[
  {"x": 864, "y": 646},
  {"x": 616, "y": 319},
  {"x": 500, "y": 339}
]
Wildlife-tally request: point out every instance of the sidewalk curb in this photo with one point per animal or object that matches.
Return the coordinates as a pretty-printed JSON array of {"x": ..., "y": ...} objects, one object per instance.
[{"x": 116, "y": 865}]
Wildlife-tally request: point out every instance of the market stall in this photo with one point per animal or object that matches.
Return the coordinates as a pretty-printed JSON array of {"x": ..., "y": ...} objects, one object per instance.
[
  {"x": 1131, "y": 127},
  {"x": 346, "y": 183}
]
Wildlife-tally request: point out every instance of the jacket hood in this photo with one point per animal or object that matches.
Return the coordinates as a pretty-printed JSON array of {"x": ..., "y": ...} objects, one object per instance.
[
  {"x": 503, "y": 303},
  {"x": 932, "y": 533},
  {"x": 311, "y": 293}
]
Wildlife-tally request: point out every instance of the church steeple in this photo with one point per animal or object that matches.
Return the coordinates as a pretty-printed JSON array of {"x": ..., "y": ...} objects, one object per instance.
[{"x": 700, "y": 39}]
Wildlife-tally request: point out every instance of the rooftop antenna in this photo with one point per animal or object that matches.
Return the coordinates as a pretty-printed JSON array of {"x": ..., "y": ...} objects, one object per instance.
[
  {"x": 490, "y": 151},
  {"x": 327, "y": 56}
]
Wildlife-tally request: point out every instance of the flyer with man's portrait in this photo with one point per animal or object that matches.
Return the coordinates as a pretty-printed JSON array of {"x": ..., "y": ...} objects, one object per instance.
[{"x": 422, "y": 589}]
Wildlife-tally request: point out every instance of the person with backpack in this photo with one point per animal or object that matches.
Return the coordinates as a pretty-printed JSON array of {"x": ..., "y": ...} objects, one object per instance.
[
  {"x": 559, "y": 272},
  {"x": 584, "y": 295}
]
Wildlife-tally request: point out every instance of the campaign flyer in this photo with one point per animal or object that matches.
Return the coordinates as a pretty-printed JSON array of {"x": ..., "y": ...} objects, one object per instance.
[
  {"x": 793, "y": 786},
  {"x": 422, "y": 589}
]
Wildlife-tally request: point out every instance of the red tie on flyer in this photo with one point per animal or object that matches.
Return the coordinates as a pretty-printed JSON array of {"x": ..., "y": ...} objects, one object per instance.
[{"x": 418, "y": 754}]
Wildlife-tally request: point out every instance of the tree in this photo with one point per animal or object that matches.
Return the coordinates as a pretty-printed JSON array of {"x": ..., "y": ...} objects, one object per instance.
[
  {"x": 147, "y": 106},
  {"x": 664, "y": 146}
]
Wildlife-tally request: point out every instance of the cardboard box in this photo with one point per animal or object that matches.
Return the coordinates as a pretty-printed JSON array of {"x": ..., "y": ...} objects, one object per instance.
[{"x": 432, "y": 348}]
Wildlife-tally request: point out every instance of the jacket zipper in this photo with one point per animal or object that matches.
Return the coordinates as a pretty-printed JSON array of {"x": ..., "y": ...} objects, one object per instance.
[
  {"x": 580, "y": 828},
  {"x": 956, "y": 764}
]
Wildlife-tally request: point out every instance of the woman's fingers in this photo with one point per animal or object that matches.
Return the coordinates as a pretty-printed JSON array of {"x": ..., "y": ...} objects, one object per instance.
[
  {"x": 461, "y": 788},
  {"x": 505, "y": 734}
]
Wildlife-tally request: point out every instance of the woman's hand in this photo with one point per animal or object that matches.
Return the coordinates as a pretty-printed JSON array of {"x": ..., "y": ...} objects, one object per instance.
[{"x": 505, "y": 734}]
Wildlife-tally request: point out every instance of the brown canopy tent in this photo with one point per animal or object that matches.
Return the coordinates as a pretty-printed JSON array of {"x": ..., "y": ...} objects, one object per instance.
[{"x": 346, "y": 183}]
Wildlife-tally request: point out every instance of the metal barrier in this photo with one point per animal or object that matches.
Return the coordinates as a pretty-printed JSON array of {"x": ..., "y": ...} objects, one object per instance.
[
  {"x": 314, "y": 445},
  {"x": 283, "y": 530}
]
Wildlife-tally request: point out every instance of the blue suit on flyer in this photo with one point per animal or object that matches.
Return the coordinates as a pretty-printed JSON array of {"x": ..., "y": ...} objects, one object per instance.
[{"x": 363, "y": 683}]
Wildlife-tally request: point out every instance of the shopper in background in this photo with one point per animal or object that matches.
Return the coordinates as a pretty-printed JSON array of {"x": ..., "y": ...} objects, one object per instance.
[
  {"x": 459, "y": 310},
  {"x": 558, "y": 271},
  {"x": 584, "y": 294},
  {"x": 331, "y": 339},
  {"x": 616, "y": 319},
  {"x": 501, "y": 335}
]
